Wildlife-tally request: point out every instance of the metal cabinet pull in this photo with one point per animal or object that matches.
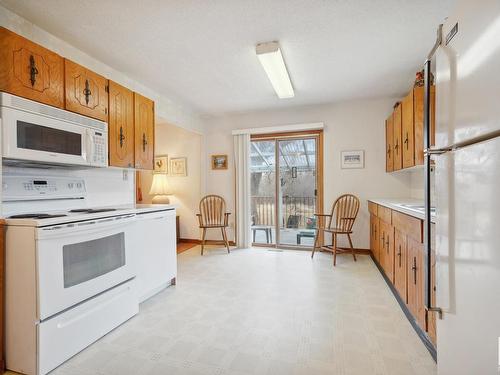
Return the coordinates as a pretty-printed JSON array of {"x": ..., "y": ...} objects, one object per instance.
[
  {"x": 396, "y": 146},
  {"x": 87, "y": 92},
  {"x": 414, "y": 269},
  {"x": 407, "y": 141},
  {"x": 389, "y": 151},
  {"x": 387, "y": 244},
  {"x": 399, "y": 255},
  {"x": 144, "y": 142},
  {"x": 121, "y": 137},
  {"x": 33, "y": 70}
]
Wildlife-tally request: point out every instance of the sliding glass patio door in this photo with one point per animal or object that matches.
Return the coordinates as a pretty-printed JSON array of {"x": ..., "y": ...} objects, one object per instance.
[{"x": 285, "y": 188}]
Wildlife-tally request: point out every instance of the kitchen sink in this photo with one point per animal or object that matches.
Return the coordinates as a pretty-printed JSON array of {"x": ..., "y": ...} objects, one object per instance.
[{"x": 417, "y": 207}]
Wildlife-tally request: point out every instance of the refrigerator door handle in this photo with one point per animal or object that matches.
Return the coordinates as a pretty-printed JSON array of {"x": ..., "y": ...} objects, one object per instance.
[{"x": 437, "y": 151}]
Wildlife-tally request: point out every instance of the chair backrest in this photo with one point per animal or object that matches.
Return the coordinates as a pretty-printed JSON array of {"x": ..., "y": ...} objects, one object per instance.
[
  {"x": 212, "y": 210},
  {"x": 344, "y": 212}
]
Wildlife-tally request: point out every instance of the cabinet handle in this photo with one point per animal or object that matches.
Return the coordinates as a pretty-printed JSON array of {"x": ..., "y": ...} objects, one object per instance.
[
  {"x": 414, "y": 269},
  {"x": 389, "y": 151},
  {"x": 87, "y": 92},
  {"x": 122, "y": 136},
  {"x": 144, "y": 142},
  {"x": 406, "y": 141},
  {"x": 33, "y": 70},
  {"x": 387, "y": 244},
  {"x": 399, "y": 255},
  {"x": 396, "y": 146}
]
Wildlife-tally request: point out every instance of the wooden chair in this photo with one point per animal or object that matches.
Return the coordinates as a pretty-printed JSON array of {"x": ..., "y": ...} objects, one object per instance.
[
  {"x": 340, "y": 221},
  {"x": 213, "y": 215}
]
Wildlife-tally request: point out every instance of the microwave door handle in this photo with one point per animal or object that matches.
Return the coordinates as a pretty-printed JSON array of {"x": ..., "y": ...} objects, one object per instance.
[{"x": 90, "y": 146}]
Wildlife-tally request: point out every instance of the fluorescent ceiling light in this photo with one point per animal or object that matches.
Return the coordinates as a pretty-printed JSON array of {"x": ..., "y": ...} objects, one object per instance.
[{"x": 270, "y": 57}]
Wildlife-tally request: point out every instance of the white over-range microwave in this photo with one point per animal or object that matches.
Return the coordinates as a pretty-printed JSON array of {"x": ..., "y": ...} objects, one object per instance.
[{"x": 38, "y": 133}]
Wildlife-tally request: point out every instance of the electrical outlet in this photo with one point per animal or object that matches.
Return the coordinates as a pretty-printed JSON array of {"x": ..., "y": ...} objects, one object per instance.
[{"x": 125, "y": 175}]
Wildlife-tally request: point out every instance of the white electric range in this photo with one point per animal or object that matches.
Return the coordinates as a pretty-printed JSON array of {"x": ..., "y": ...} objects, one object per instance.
[{"x": 69, "y": 274}]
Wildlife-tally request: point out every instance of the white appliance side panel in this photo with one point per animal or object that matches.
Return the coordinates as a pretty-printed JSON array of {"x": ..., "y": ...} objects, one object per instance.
[
  {"x": 20, "y": 300},
  {"x": 468, "y": 259},
  {"x": 467, "y": 78},
  {"x": 66, "y": 334},
  {"x": 155, "y": 252}
]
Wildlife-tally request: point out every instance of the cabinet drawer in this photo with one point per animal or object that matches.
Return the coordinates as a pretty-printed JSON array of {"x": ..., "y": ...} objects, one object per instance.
[
  {"x": 385, "y": 214},
  {"x": 411, "y": 226},
  {"x": 373, "y": 208},
  {"x": 30, "y": 71}
]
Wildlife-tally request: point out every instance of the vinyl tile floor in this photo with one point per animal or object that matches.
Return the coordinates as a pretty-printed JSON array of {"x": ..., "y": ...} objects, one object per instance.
[{"x": 258, "y": 311}]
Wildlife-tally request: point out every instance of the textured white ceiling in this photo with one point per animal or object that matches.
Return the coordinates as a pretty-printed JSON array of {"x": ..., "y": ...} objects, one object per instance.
[{"x": 203, "y": 51}]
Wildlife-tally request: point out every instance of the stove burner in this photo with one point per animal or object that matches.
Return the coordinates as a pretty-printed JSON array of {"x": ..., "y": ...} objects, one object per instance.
[
  {"x": 36, "y": 216},
  {"x": 92, "y": 210}
]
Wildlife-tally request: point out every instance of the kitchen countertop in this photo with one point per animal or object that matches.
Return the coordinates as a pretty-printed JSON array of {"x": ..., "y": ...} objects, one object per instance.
[{"x": 399, "y": 205}]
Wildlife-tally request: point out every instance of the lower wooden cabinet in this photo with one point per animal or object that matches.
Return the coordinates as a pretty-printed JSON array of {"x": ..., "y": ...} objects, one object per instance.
[
  {"x": 386, "y": 249},
  {"x": 396, "y": 241},
  {"x": 400, "y": 267},
  {"x": 374, "y": 243},
  {"x": 415, "y": 271}
]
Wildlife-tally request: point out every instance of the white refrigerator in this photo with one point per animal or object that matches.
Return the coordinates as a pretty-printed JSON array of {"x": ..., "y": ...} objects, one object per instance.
[{"x": 467, "y": 189}]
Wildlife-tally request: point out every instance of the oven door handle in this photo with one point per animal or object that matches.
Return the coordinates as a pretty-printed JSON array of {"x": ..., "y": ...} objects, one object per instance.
[{"x": 89, "y": 226}]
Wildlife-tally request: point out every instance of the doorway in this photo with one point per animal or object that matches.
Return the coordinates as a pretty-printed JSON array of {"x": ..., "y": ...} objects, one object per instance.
[{"x": 286, "y": 188}]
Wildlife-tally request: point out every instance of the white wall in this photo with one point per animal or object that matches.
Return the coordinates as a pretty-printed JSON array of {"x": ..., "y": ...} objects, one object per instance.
[
  {"x": 174, "y": 112},
  {"x": 354, "y": 125},
  {"x": 187, "y": 191}
]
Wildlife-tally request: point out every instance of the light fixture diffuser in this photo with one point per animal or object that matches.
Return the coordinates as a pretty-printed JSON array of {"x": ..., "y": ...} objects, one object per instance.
[{"x": 272, "y": 61}]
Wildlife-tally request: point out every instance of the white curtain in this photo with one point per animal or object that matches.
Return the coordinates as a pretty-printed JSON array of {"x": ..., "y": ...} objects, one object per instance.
[{"x": 242, "y": 164}]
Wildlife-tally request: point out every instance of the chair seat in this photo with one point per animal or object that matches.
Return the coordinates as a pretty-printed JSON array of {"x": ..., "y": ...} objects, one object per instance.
[
  {"x": 214, "y": 226},
  {"x": 337, "y": 230}
]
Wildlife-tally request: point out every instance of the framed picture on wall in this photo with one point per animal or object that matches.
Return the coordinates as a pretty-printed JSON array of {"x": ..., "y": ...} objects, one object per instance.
[
  {"x": 352, "y": 159},
  {"x": 161, "y": 164},
  {"x": 178, "y": 167},
  {"x": 219, "y": 162}
]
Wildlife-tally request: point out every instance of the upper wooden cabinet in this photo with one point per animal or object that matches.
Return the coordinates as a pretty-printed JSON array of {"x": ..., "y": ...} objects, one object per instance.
[
  {"x": 144, "y": 132},
  {"x": 408, "y": 128},
  {"x": 398, "y": 155},
  {"x": 389, "y": 136},
  {"x": 86, "y": 91},
  {"x": 30, "y": 71},
  {"x": 121, "y": 126},
  {"x": 408, "y": 131}
]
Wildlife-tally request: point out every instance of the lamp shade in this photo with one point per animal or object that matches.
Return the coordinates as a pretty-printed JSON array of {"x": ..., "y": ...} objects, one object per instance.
[{"x": 159, "y": 185}]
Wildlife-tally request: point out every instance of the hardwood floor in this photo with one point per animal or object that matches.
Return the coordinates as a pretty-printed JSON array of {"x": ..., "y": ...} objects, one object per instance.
[{"x": 183, "y": 246}]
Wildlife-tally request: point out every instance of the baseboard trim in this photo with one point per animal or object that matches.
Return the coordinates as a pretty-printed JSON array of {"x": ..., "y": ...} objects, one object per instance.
[
  {"x": 207, "y": 242},
  {"x": 420, "y": 332}
]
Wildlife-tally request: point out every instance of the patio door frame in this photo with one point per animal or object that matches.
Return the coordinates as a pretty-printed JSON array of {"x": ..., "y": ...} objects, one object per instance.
[{"x": 287, "y": 136}]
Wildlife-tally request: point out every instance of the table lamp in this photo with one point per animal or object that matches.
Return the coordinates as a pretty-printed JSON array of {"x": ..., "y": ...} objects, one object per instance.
[{"x": 160, "y": 190}]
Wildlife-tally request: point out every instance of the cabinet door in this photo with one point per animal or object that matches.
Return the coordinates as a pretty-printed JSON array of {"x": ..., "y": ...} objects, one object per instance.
[
  {"x": 389, "y": 136},
  {"x": 408, "y": 131},
  {"x": 30, "y": 71},
  {"x": 418, "y": 124},
  {"x": 86, "y": 91},
  {"x": 431, "y": 316},
  {"x": 400, "y": 263},
  {"x": 398, "y": 154},
  {"x": 374, "y": 236},
  {"x": 389, "y": 252},
  {"x": 121, "y": 126},
  {"x": 144, "y": 132},
  {"x": 416, "y": 281}
]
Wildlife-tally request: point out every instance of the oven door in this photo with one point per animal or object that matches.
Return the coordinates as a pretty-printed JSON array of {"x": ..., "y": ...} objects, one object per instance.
[
  {"x": 33, "y": 137},
  {"x": 78, "y": 261}
]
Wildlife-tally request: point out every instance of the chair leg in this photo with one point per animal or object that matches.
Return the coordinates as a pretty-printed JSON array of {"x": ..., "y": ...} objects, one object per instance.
[
  {"x": 315, "y": 243},
  {"x": 334, "y": 249},
  {"x": 203, "y": 240},
  {"x": 224, "y": 237},
  {"x": 352, "y": 248}
]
